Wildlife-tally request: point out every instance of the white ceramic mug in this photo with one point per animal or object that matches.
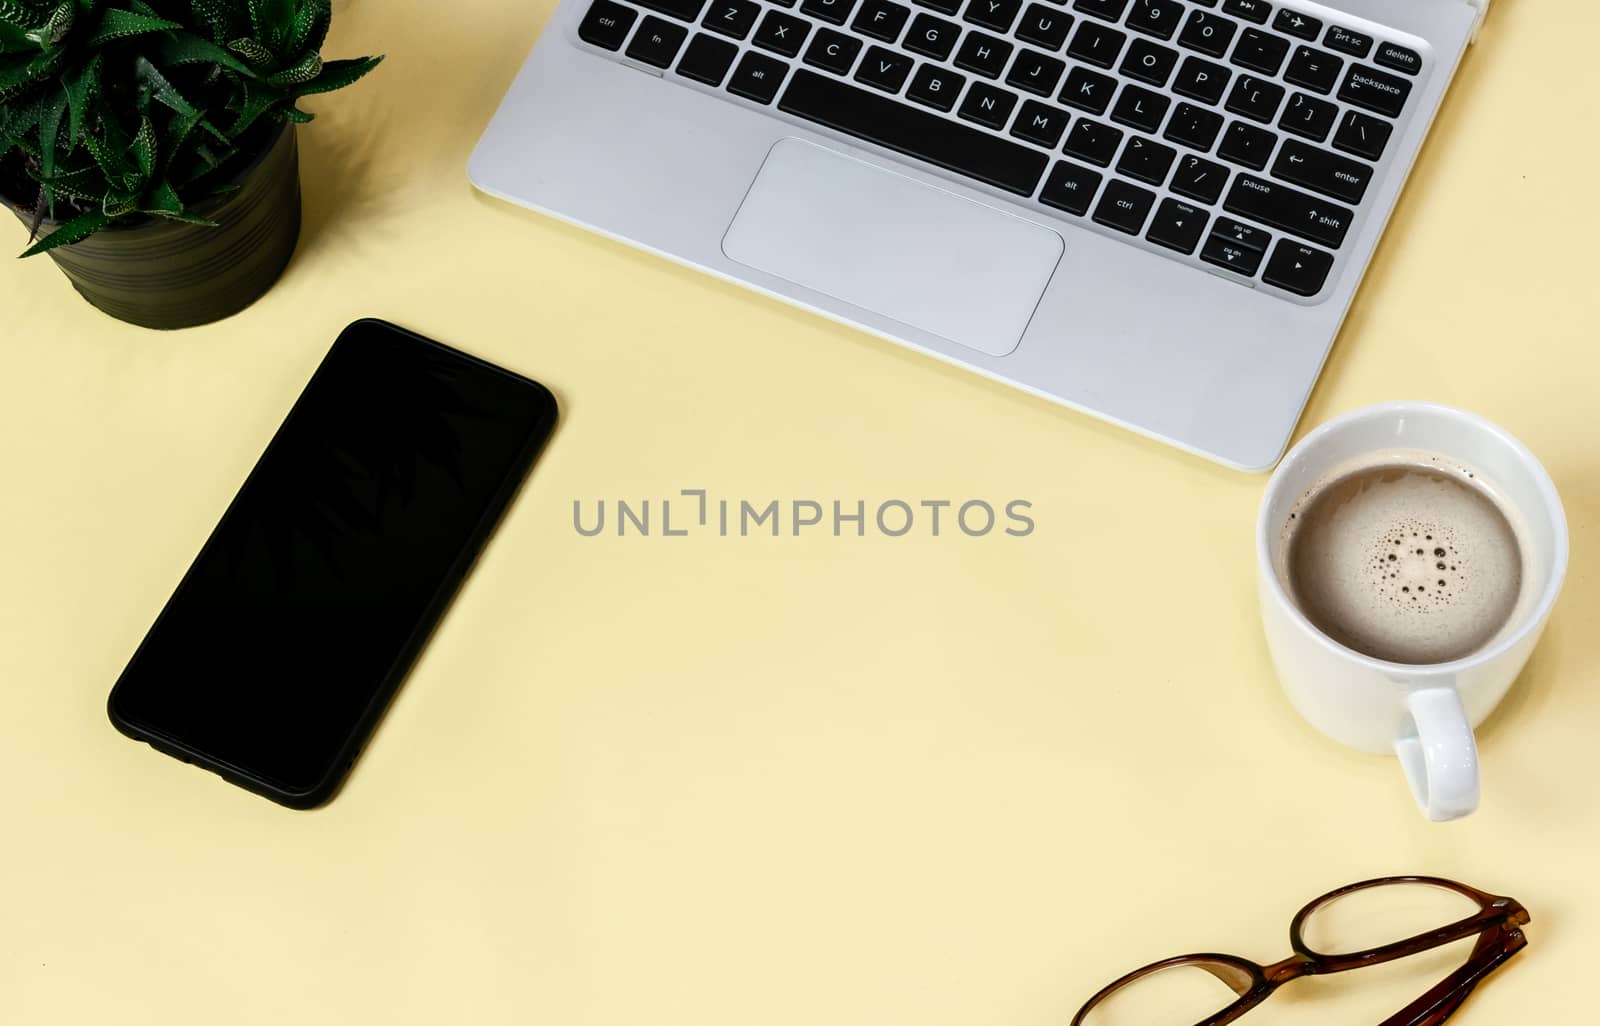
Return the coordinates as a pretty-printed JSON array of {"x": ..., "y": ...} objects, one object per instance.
[{"x": 1423, "y": 714}]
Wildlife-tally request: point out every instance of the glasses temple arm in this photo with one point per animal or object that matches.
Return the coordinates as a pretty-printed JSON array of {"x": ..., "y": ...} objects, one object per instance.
[{"x": 1440, "y": 1001}]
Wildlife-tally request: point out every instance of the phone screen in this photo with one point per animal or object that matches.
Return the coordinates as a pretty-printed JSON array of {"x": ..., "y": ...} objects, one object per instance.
[{"x": 286, "y": 638}]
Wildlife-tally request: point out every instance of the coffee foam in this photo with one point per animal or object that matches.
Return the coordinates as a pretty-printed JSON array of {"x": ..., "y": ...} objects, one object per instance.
[{"x": 1405, "y": 557}]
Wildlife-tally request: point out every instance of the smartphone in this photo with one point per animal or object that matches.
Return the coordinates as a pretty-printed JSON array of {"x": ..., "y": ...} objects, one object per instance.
[{"x": 284, "y": 642}]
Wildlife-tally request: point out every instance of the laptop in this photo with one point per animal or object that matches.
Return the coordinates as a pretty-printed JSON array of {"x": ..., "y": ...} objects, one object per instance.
[{"x": 1152, "y": 211}]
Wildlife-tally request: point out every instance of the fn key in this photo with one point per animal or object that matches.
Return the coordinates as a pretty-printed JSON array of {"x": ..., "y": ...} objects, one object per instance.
[{"x": 1297, "y": 268}]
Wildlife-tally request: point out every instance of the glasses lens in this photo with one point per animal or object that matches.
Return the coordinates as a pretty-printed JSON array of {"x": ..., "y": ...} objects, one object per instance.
[
  {"x": 1179, "y": 995},
  {"x": 1382, "y": 915}
]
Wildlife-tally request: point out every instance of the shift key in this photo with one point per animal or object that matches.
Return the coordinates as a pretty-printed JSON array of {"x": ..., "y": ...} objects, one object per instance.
[{"x": 1289, "y": 209}]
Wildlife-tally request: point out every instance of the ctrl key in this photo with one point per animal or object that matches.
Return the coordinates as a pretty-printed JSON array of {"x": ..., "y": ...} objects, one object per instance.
[
  {"x": 607, "y": 24},
  {"x": 1297, "y": 268}
]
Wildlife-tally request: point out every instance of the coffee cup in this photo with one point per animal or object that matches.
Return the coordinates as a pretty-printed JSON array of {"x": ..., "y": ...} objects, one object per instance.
[{"x": 1409, "y": 556}]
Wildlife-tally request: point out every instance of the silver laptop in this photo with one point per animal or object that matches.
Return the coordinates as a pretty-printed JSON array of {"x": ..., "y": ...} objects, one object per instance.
[{"x": 1153, "y": 211}]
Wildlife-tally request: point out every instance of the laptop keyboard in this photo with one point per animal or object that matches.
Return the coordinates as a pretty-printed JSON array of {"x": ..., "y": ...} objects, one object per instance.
[{"x": 1238, "y": 135}]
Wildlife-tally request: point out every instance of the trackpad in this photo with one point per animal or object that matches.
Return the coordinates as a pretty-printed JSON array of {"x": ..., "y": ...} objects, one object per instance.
[{"x": 893, "y": 245}]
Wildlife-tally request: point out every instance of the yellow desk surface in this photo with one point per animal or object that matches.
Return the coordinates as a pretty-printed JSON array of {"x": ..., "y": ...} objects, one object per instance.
[{"x": 714, "y": 781}]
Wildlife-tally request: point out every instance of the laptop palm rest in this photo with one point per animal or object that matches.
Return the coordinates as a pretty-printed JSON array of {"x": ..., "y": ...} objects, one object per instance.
[{"x": 893, "y": 245}]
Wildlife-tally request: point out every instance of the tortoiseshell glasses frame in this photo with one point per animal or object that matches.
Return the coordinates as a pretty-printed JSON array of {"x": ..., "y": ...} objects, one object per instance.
[{"x": 1497, "y": 924}]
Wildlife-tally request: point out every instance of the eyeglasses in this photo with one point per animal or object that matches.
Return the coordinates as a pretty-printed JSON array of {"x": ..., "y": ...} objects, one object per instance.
[{"x": 1377, "y": 905}]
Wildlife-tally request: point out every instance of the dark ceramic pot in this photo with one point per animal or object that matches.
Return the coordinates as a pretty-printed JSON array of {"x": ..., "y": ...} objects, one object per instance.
[{"x": 167, "y": 274}]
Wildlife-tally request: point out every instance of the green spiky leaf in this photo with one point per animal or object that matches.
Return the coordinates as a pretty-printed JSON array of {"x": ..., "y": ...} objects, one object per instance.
[
  {"x": 81, "y": 90},
  {"x": 144, "y": 147},
  {"x": 163, "y": 201},
  {"x": 303, "y": 71},
  {"x": 252, "y": 51},
  {"x": 75, "y": 230},
  {"x": 119, "y": 24},
  {"x": 53, "y": 31},
  {"x": 49, "y": 129},
  {"x": 310, "y": 29},
  {"x": 188, "y": 48},
  {"x": 272, "y": 20},
  {"x": 338, "y": 74}
]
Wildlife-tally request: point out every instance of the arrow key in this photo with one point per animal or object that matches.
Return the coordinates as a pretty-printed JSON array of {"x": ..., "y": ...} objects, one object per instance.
[
  {"x": 1223, "y": 252},
  {"x": 1178, "y": 226},
  {"x": 1246, "y": 235},
  {"x": 1297, "y": 268}
]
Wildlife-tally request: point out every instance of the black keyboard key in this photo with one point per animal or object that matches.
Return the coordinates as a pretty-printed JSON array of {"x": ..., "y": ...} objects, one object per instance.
[
  {"x": 833, "y": 51},
  {"x": 1375, "y": 90},
  {"x": 1208, "y": 33},
  {"x": 606, "y": 24},
  {"x": 784, "y": 3},
  {"x": 983, "y": 55},
  {"x": 757, "y": 77},
  {"x": 1298, "y": 268},
  {"x": 1250, "y": 10},
  {"x": 1199, "y": 179},
  {"x": 1194, "y": 127},
  {"x": 734, "y": 18},
  {"x": 1035, "y": 72},
  {"x": 707, "y": 59},
  {"x": 1070, "y": 187},
  {"x": 1392, "y": 55},
  {"x": 1044, "y": 26},
  {"x": 1255, "y": 98},
  {"x": 884, "y": 69},
  {"x": 1308, "y": 116},
  {"x": 1247, "y": 145},
  {"x": 1093, "y": 141},
  {"x": 1327, "y": 173},
  {"x": 683, "y": 10},
  {"x": 1148, "y": 62},
  {"x": 1246, "y": 235},
  {"x": 1040, "y": 123},
  {"x": 1140, "y": 108},
  {"x": 993, "y": 14},
  {"x": 935, "y": 87},
  {"x": 942, "y": 6},
  {"x": 1110, "y": 10},
  {"x": 1177, "y": 225},
  {"x": 1157, "y": 18},
  {"x": 932, "y": 37},
  {"x": 782, "y": 33},
  {"x": 1260, "y": 51},
  {"x": 1224, "y": 252},
  {"x": 916, "y": 133},
  {"x": 1278, "y": 205},
  {"x": 1088, "y": 90},
  {"x": 836, "y": 12},
  {"x": 1124, "y": 206},
  {"x": 1096, "y": 44},
  {"x": 1355, "y": 44},
  {"x": 1314, "y": 69},
  {"x": 1363, "y": 135},
  {"x": 1145, "y": 160},
  {"x": 657, "y": 42},
  {"x": 881, "y": 19},
  {"x": 1296, "y": 24},
  {"x": 988, "y": 106},
  {"x": 1201, "y": 80}
]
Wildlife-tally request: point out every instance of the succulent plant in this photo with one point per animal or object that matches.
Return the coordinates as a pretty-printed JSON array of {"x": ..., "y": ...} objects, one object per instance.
[{"x": 115, "y": 109}]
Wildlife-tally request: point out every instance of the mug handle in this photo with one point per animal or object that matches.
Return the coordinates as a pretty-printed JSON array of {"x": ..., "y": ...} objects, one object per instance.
[{"x": 1438, "y": 752}]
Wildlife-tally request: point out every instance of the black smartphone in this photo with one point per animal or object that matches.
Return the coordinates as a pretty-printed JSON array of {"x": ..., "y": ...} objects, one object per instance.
[{"x": 286, "y": 639}]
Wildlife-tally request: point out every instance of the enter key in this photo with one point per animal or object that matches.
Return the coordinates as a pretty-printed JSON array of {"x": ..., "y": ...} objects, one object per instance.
[{"x": 1324, "y": 172}]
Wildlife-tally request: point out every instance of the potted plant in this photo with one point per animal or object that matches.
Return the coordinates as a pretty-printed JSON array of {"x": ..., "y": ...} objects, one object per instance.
[{"x": 149, "y": 147}]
